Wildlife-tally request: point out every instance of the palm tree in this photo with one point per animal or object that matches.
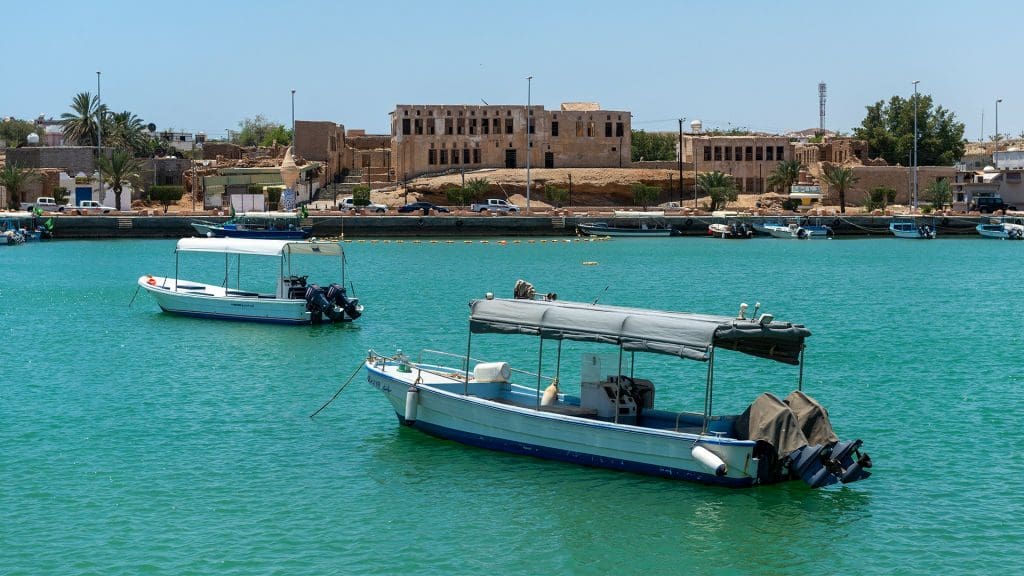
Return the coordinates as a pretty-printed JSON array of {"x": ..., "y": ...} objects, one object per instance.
[
  {"x": 14, "y": 178},
  {"x": 719, "y": 187},
  {"x": 127, "y": 132},
  {"x": 786, "y": 174},
  {"x": 80, "y": 126},
  {"x": 840, "y": 179},
  {"x": 118, "y": 169}
]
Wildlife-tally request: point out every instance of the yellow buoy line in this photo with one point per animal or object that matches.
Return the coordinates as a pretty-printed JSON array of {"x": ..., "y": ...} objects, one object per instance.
[{"x": 501, "y": 242}]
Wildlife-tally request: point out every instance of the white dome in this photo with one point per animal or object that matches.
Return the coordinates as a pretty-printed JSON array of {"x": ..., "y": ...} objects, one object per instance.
[
  {"x": 32, "y": 138},
  {"x": 988, "y": 169},
  {"x": 695, "y": 126}
]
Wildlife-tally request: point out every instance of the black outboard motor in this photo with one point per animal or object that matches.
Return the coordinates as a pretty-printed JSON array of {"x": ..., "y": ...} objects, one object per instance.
[
  {"x": 821, "y": 465},
  {"x": 318, "y": 304},
  {"x": 349, "y": 306}
]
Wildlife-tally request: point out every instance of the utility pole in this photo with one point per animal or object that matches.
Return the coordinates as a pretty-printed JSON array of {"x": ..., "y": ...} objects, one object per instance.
[
  {"x": 529, "y": 82},
  {"x": 915, "y": 144},
  {"x": 681, "y": 161}
]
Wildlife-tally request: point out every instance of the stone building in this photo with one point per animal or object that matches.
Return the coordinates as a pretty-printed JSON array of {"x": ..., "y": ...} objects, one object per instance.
[
  {"x": 750, "y": 159},
  {"x": 834, "y": 150},
  {"x": 437, "y": 138}
]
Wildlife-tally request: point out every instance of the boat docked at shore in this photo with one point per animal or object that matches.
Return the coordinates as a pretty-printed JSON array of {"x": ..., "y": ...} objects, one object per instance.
[
  {"x": 732, "y": 230},
  {"x": 909, "y": 227},
  {"x": 20, "y": 227},
  {"x": 262, "y": 225},
  {"x": 613, "y": 420},
  {"x": 293, "y": 301},
  {"x": 631, "y": 224},
  {"x": 1002, "y": 228}
]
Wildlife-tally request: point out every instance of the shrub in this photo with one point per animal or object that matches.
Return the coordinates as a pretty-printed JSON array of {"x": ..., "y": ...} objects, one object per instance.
[
  {"x": 644, "y": 194},
  {"x": 556, "y": 196},
  {"x": 166, "y": 195},
  {"x": 878, "y": 198},
  {"x": 361, "y": 195}
]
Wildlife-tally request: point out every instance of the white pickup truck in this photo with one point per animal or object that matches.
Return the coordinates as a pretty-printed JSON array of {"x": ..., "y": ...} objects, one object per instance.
[
  {"x": 44, "y": 203},
  {"x": 92, "y": 207},
  {"x": 495, "y": 205},
  {"x": 347, "y": 203}
]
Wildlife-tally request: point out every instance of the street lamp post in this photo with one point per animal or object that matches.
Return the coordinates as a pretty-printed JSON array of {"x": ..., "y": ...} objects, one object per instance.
[
  {"x": 997, "y": 127},
  {"x": 99, "y": 119},
  {"x": 915, "y": 144},
  {"x": 681, "y": 162},
  {"x": 293, "y": 116},
  {"x": 529, "y": 82}
]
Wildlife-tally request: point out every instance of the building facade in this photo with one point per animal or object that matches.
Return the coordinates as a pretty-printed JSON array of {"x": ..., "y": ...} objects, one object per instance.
[
  {"x": 437, "y": 138},
  {"x": 749, "y": 159}
]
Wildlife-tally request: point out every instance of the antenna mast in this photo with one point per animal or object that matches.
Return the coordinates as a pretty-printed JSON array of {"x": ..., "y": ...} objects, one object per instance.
[{"x": 821, "y": 108}]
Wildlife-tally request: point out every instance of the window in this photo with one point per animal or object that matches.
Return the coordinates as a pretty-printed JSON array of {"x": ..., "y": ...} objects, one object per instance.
[
  {"x": 530, "y": 122},
  {"x": 758, "y": 153},
  {"x": 769, "y": 153},
  {"x": 461, "y": 125},
  {"x": 707, "y": 153},
  {"x": 406, "y": 112},
  {"x": 430, "y": 126},
  {"x": 508, "y": 125},
  {"x": 591, "y": 129},
  {"x": 472, "y": 126},
  {"x": 485, "y": 126},
  {"x": 554, "y": 128},
  {"x": 497, "y": 126},
  {"x": 366, "y": 160},
  {"x": 749, "y": 156},
  {"x": 718, "y": 153},
  {"x": 579, "y": 128},
  {"x": 465, "y": 155},
  {"x": 448, "y": 127},
  {"x": 444, "y": 156},
  {"x": 728, "y": 153},
  {"x": 608, "y": 129},
  {"x": 418, "y": 126},
  {"x": 455, "y": 156},
  {"x": 739, "y": 153},
  {"x": 406, "y": 127},
  {"x": 778, "y": 153},
  {"x": 431, "y": 156},
  {"x": 476, "y": 155},
  {"x": 417, "y": 113},
  {"x": 618, "y": 129}
]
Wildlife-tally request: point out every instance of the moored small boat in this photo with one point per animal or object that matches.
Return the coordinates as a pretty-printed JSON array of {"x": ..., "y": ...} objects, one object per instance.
[
  {"x": 732, "y": 230},
  {"x": 909, "y": 227},
  {"x": 1002, "y": 228},
  {"x": 262, "y": 225}
]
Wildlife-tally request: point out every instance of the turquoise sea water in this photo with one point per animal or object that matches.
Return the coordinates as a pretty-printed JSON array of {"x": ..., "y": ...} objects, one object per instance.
[{"x": 134, "y": 442}]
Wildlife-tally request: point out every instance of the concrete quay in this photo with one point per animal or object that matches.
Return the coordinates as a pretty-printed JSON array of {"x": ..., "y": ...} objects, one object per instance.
[{"x": 475, "y": 226}]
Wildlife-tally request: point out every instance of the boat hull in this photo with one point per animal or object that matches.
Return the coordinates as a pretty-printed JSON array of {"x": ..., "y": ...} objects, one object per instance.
[
  {"x": 213, "y": 231},
  {"x": 204, "y": 301},
  {"x": 591, "y": 230},
  {"x": 476, "y": 421}
]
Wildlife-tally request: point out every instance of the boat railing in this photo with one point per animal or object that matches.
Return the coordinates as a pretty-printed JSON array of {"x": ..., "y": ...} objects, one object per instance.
[{"x": 464, "y": 360}]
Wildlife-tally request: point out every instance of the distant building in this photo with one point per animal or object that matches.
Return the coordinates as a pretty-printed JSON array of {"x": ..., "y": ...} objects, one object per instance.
[
  {"x": 1003, "y": 178},
  {"x": 438, "y": 138},
  {"x": 749, "y": 159}
]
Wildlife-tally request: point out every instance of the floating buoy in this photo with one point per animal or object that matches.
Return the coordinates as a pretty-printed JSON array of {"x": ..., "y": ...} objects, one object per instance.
[
  {"x": 515, "y": 241},
  {"x": 589, "y": 263},
  {"x": 432, "y": 241},
  {"x": 502, "y": 242},
  {"x": 530, "y": 241},
  {"x": 449, "y": 241},
  {"x": 467, "y": 241},
  {"x": 485, "y": 241},
  {"x": 708, "y": 459},
  {"x": 550, "y": 394},
  {"x": 412, "y": 397}
]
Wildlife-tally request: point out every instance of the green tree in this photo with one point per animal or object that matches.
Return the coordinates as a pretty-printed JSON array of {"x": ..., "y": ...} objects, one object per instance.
[
  {"x": 840, "y": 179},
  {"x": 80, "y": 125},
  {"x": 653, "y": 146},
  {"x": 118, "y": 169},
  {"x": 556, "y": 196},
  {"x": 645, "y": 194},
  {"x": 60, "y": 195},
  {"x": 127, "y": 132},
  {"x": 888, "y": 129},
  {"x": 939, "y": 193},
  {"x": 720, "y": 188},
  {"x": 259, "y": 131},
  {"x": 476, "y": 189},
  {"x": 166, "y": 195},
  {"x": 15, "y": 132},
  {"x": 458, "y": 195},
  {"x": 785, "y": 174},
  {"x": 879, "y": 197},
  {"x": 14, "y": 178},
  {"x": 361, "y": 195}
]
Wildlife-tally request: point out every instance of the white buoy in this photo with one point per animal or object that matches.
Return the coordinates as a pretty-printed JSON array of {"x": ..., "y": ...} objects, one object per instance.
[
  {"x": 412, "y": 400},
  {"x": 706, "y": 457}
]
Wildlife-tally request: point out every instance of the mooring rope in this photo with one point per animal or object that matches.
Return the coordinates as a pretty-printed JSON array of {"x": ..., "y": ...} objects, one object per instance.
[{"x": 347, "y": 382}]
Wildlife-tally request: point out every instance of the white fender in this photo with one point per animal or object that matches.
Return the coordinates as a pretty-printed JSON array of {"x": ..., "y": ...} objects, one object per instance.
[
  {"x": 412, "y": 400},
  {"x": 710, "y": 460},
  {"x": 550, "y": 395}
]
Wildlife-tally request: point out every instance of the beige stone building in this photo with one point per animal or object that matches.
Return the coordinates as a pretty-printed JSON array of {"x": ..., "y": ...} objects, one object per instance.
[
  {"x": 750, "y": 159},
  {"x": 436, "y": 138}
]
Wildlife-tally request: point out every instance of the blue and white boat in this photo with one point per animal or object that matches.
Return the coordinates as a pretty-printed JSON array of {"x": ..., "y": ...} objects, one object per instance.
[
  {"x": 794, "y": 229},
  {"x": 909, "y": 227},
  {"x": 631, "y": 224},
  {"x": 262, "y": 225},
  {"x": 292, "y": 301},
  {"x": 20, "y": 227},
  {"x": 611, "y": 419},
  {"x": 1002, "y": 228}
]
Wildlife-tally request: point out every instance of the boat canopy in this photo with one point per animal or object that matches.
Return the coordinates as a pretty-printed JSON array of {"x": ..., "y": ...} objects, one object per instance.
[
  {"x": 639, "y": 330},
  {"x": 271, "y": 215},
  {"x": 258, "y": 247}
]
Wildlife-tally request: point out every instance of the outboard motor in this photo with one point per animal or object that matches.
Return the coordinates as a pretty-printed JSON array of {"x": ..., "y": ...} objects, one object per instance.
[
  {"x": 821, "y": 465},
  {"x": 349, "y": 306},
  {"x": 318, "y": 304}
]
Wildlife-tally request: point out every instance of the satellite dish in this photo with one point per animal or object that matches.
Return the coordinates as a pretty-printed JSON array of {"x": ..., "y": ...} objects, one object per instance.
[{"x": 151, "y": 127}]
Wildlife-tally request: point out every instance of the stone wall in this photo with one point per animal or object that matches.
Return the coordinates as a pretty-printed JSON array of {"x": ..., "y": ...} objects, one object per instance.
[
  {"x": 224, "y": 149},
  {"x": 71, "y": 159},
  {"x": 896, "y": 177}
]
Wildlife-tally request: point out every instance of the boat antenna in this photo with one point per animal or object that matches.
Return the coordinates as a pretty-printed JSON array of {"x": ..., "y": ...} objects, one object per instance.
[{"x": 599, "y": 294}]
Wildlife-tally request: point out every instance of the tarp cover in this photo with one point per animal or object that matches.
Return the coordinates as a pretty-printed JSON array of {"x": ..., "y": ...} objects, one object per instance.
[
  {"x": 640, "y": 330},
  {"x": 770, "y": 420},
  {"x": 813, "y": 418},
  {"x": 258, "y": 247}
]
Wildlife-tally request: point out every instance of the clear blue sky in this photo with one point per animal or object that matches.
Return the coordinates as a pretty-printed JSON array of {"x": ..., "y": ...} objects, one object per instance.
[{"x": 204, "y": 66}]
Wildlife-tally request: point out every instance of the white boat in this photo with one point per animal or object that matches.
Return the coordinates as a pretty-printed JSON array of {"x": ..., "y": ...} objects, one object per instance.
[
  {"x": 909, "y": 227},
  {"x": 293, "y": 301},
  {"x": 1004, "y": 229},
  {"x": 20, "y": 227},
  {"x": 797, "y": 231},
  {"x": 734, "y": 230},
  {"x": 610, "y": 419},
  {"x": 264, "y": 225},
  {"x": 631, "y": 223}
]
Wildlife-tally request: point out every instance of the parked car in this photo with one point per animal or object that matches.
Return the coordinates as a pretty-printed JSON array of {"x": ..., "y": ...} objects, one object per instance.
[
  {"x": 426, "y": 207},
  {"x": 348, "y": 203},
  {"x": 94, "y": 207},
  {"x": 496, "y": 205},
  {"x": 44, "y": 203},
  {"x": 989, "y": 204}
]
